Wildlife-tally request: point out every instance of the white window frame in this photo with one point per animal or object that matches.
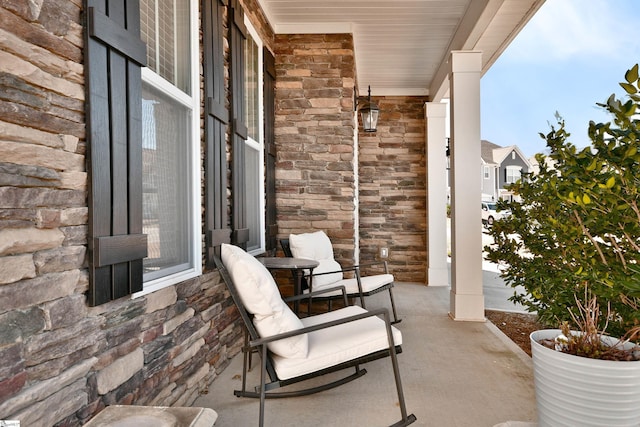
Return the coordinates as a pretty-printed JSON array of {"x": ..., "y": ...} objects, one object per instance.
[
  {"x": 259, "y": 144},
  {"x": 511, "y": 173},
  {"x": 193, "y": 103},
  {"x": 486, "y": 171}
]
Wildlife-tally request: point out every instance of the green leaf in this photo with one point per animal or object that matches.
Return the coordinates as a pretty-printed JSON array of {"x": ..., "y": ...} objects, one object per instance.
[
  {"x": 611, "y": 182},
  {"x": 631, "y": 151},
  {"x": 632, "y": 74},
  {"x": 630, "y": 89},
  {"x": 629, "y": 108},
  {"x": 608, "y": 282}
]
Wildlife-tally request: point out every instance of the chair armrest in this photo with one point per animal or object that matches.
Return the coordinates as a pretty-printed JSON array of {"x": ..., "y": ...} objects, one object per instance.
[
  {"x": 356, "y": 268},
  {"x": 310, "y": 295},
  {"x": 342, "y": 270},
  {"x": 370, "y": 264},
  {"x": 376, "y": 312}
]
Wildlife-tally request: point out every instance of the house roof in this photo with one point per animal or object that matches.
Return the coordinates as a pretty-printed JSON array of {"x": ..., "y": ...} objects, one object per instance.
[
  {"x": 402, "y": 46},
  {"x": 500, "y": 154},
  {"x": 487, "y": 149},
  {"x": 495, "y": 154}
]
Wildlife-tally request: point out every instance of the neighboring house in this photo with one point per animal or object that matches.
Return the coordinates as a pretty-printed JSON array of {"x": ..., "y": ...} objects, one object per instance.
[{"x": 500, "y": 166}]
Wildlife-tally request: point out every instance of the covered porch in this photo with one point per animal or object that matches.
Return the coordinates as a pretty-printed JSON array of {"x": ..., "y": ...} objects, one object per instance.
[
  {"x": 112, "y": 289},
  {"x": 423, "y": 62}
]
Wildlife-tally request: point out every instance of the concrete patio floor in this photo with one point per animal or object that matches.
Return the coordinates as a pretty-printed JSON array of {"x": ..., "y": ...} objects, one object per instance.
[{"x": 453, "y": 374}]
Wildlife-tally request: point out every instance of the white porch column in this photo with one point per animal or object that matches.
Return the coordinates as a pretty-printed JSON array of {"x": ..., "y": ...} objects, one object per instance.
[
  {"x": 437, "y": 274},
  {"x": 467, "y": 299}
]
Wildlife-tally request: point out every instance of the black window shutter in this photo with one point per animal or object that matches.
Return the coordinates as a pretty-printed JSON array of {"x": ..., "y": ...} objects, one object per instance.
[
  {"x": 216, "y": 120},
  {"x": 114, "y": 55},
  {"x": 270, "y": 148},
  {"x": 239, "y": 129}
]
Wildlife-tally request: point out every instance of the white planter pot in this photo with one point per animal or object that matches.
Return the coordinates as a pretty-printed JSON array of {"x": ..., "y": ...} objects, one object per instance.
[{"x": 578, "y": 391}]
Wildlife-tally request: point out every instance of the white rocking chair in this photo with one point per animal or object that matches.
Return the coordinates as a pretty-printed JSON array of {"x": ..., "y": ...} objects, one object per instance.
[
  {"x": 330, "y": 273},
  {"x": 292, "y": 349}
]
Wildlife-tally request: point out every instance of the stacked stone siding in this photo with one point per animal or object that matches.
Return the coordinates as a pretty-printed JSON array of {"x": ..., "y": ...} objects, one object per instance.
[
  {"x": 315, "y": 134},
  {"x": 315, "y": 137},
  {"x": 392, "y": 178},
  {"x": 63, "y": 361},
  {"x": 255, "y": 14}
]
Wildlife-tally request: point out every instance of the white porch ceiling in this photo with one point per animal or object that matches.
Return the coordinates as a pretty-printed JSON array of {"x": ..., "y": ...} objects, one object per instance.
[{"x": 402, "y": 46}]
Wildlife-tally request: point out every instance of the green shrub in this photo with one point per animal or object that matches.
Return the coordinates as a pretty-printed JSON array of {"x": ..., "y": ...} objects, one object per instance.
[{"x": 576, "y": 229}]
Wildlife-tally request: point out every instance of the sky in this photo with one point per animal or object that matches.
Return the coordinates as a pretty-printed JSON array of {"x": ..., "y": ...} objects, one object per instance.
[{"x": 571, "y": 55}]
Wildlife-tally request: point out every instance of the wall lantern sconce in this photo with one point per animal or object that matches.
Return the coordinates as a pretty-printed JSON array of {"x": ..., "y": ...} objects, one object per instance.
[
  {"x": 448, "y": 152},
  {"x": 369, "y": 112}
]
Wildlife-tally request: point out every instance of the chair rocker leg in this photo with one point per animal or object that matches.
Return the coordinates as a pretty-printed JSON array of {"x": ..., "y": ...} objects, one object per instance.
[
  {"x": 402, "y": 423},
  {"x": 406, "y": 419},
  {"x": 304, "y": 392},
  {"x": 246, "y": 360},
  {"x": 261, "y": 391},
  {"x": 393, "y": 308}
]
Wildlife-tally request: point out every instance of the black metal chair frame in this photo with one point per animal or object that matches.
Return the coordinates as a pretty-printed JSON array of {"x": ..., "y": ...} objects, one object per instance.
[
  {"x": 254, "y": 342},
  {"x": 286, "y": 248}
]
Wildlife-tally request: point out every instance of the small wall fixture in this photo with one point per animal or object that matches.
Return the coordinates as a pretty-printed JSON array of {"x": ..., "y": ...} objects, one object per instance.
[
  {"x": 369, "y": 112},
  {"x": 448, "y": 153}
]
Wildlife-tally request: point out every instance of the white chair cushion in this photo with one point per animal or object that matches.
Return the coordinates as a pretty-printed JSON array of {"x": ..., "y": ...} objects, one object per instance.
[
  {"x": 317, "y": 246},
  {"x": 326, "y": 280},
  {"x": 258, "y": 291},
  {"x": 296, "y": 347},
  {"x": 261, "y": 297},
  {"x": 314, "y": 245},
  {"x": 369, "y": 283},
  {"x": 332, "y": 346}
]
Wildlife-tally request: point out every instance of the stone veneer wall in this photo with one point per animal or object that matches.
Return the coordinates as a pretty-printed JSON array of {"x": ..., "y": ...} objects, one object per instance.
[
  {"x": 315, "y": 131},
  {"x": 315, "y": 180},
  {"x": 392, "y": 178},
  {"x": 62, "y": 361}
]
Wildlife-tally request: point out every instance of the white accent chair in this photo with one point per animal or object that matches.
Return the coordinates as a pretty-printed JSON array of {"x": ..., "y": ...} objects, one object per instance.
[
  {"x": 294, "y": 350},
  {"x": 330, "y": 273}
]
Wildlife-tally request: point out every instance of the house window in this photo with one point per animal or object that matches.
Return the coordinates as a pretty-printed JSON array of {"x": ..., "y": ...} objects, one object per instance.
[
  {"x": 486, "y": 172},
  {"x": 513, "y": 173},
  {"x": 254, "y": 154},
  {"x": 170, "y": 142}
]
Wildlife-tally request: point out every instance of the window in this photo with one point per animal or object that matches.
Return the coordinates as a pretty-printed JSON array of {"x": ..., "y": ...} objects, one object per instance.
[
  {"x": 513, "y": 173},
  {"x": 254, "y": 154},
  {"x": 170, "y": 142},
  {"x": 486, "y": 172}
]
